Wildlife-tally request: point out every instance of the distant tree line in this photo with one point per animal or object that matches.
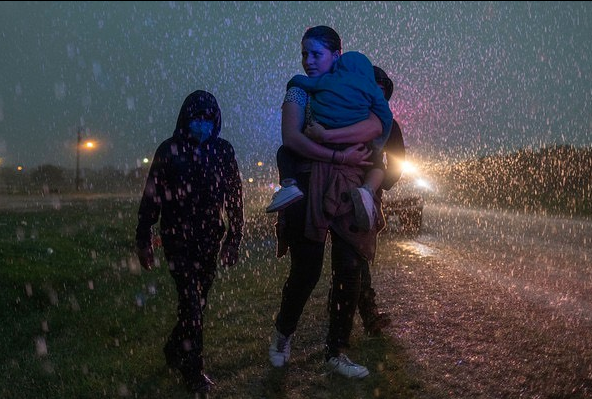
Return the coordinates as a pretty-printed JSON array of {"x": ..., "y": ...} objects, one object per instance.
[
  {"x": 50, "y": 179},
  {"x": 555, "y": 179}
]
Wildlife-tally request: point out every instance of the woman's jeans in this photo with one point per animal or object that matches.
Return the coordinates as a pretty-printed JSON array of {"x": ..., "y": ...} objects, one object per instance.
[{"x": 305, "y": 271}]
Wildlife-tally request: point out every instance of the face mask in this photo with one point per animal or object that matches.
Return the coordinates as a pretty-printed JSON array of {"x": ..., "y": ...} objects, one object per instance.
[{"x": 201, "y": 129}]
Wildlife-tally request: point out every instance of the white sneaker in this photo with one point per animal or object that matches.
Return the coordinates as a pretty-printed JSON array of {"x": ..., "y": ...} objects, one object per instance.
[
  {"x": 284, "y": 197},
  {"x": 279, "y": 351},
  {"x": 342, "y": 365},
  {"x": 364, "y": 209}
]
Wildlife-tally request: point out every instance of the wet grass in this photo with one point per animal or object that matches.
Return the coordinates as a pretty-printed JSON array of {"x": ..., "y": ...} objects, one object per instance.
[{"x": 80, "y": 319}]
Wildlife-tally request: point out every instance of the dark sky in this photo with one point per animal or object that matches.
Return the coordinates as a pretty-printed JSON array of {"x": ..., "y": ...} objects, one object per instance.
[{"x": 471, "y": 78}]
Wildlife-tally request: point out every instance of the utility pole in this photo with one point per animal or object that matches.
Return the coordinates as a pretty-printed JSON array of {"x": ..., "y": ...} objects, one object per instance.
[{"x": 78, "y": 159}]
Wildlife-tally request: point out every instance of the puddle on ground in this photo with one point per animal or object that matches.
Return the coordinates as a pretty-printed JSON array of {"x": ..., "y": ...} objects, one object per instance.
[{"x": 415, "y": 248}]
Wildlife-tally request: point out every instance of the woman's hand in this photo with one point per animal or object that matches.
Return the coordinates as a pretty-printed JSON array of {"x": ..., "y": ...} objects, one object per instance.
[
  {"x": 316, "y": 132},
  {"x": 360, "y": 132},
  {"x": 356, "y": 155}
]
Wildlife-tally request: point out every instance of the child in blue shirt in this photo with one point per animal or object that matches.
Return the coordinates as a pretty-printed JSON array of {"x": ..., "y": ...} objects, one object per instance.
[{"x": 343, "y": 97}]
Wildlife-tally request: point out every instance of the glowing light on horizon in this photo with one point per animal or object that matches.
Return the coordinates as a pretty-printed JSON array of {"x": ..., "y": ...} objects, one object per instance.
[
  {"x": 409, "y": 168},
  {"x": 422, "y": 183}
]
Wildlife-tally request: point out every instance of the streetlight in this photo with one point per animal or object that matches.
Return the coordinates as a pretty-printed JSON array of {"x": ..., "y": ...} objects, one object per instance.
[{"x": 77, "y": 181}]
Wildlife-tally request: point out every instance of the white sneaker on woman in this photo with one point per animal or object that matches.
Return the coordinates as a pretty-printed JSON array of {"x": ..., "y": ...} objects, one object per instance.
[
  {"x": 279, "y": 350},
  {"x": 342, "y": 365}
]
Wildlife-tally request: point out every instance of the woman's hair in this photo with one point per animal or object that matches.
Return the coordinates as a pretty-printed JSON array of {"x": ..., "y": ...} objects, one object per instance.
[
  {"x": 381, "y": 77},
  {"x": 325, "y": 35}
]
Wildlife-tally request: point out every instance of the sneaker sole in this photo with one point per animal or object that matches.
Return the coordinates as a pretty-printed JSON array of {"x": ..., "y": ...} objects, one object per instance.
[
  {"x": 284, "y": 204},
  {"x": 361, "y": 375}
]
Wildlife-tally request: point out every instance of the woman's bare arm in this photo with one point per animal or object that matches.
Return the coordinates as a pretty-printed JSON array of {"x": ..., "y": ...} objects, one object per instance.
[
  {"x": 360, "y": 132},
  {"x": 295, "y": 140},
  {"x": 292, "y": 137}
]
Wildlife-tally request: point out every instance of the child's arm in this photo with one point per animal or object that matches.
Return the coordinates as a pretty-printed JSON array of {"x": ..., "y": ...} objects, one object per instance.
[
  {"x": 374, "y": 179},
  {"x": 292, "y": 137},
  {"x": 360, "y": 132},
  {"x": 380, "y": 107}
]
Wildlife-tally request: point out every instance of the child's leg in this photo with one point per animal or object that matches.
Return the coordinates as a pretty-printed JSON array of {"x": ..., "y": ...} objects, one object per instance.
[
  {"x": 373, "y": 180},
  {"x": 287, "y": 162}
]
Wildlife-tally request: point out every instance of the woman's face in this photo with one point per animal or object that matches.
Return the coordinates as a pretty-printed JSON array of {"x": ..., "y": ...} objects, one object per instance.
[{"x": 317, "y": 60}]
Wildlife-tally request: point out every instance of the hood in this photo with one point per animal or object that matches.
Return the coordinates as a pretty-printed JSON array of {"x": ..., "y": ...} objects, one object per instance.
[
  {"x": 355, "y": 62},
  {"x": 198, "y": 102},
  {"x": 381, "y": 77}
]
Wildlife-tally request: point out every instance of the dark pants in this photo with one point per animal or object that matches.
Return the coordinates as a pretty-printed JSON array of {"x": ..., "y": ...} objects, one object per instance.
[
  {"x": 367, "y": 304},
  {"x": 193, "y": 270},
  {"x": 367, "y": 307},
  {"x": 305, "y": 270}
]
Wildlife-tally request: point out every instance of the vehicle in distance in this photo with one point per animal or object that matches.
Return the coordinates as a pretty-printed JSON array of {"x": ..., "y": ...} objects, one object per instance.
[{"x": 403, "y": 204}]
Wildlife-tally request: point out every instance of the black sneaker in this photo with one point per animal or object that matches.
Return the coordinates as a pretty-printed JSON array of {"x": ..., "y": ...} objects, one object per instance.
[
  {"x": 201, "y": 385},
  {"x": 376, "y": 323}
]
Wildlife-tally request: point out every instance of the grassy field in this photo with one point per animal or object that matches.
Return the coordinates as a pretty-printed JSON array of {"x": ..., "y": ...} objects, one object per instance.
[{"x": 81, "y": 319}]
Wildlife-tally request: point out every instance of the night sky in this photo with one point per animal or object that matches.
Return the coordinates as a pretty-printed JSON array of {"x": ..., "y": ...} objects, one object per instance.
[{"x": 471, "y": 78}]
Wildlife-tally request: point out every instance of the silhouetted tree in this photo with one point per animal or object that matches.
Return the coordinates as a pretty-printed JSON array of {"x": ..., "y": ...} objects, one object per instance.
[{"x": 48, "y": 178}]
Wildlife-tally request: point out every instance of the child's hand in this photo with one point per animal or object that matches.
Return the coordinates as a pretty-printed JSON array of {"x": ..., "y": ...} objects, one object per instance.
[
  {"x": 146, "y": 257},
  {"x": 315, "y": 132},
  {"x": 228, "y": 255}
]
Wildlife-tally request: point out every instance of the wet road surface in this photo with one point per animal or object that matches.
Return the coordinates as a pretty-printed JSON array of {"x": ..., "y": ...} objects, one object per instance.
[{"x": 492, "y": 304}]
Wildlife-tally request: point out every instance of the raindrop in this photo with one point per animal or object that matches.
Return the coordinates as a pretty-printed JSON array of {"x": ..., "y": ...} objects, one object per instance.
[
  {"x": 40, "y": 346},
  {"x": 48, "y": 367},
  {"x": 140, "y": 300},
  {"x": 20, "y": 234},
  {"x": 122, "y": 390},
  {"x": 75, "y": 306}
]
